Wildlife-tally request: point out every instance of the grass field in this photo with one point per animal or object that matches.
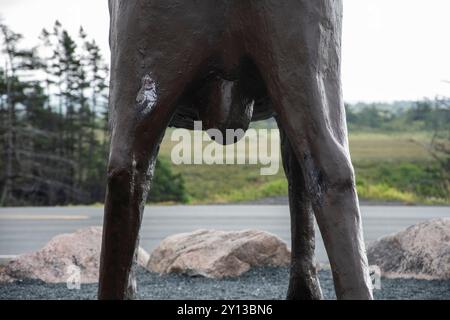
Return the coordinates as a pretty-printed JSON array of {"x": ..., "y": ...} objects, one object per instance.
[
  {"x": 389, "y": 167},
  {"x": 375, "y": 147}
]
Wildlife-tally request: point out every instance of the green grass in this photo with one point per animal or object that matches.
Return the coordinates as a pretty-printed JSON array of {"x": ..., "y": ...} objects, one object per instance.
[
  {"x": 384, "y": 192},
  {"x": 389, "y": 167},
  {"x": 267, "y": 189},
  {"x": 388, "y": 147}
]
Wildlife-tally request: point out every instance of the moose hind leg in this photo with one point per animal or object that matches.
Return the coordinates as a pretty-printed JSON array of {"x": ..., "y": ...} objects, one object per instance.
[
  {"x": 146, "y": 88},
  {"x": 304, "y": 83},
  {"x": 303, "y": 282}
]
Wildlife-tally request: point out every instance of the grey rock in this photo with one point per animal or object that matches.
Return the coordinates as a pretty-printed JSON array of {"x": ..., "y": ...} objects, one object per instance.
[
  {"x": 218, "y": 254},
  {"x": 421, "y": 251},
  {"x": 54, "y": 262}
]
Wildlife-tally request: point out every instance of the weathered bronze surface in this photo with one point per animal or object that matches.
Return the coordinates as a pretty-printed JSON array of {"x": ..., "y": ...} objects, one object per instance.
[{"x": 227, "y": 63}]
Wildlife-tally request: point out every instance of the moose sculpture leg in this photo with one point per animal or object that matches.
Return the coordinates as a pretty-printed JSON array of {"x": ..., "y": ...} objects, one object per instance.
[
  {"x": 145, "y": 88},
  {"x": 132, "y": 157},
  {"x": 303, "y": 282},
  {"x": 303, "y": 80}
]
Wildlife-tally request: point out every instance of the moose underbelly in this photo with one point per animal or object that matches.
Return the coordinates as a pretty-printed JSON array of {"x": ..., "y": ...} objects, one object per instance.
[{"x": 228, "y": 98}]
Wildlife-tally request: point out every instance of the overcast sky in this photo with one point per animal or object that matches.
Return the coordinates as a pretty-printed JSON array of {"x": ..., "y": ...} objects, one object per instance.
[{"x": 392, "y": 49}]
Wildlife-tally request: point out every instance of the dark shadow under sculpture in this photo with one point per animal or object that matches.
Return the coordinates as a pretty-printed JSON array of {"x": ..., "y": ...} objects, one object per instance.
[{"x": 227, "y": 63}]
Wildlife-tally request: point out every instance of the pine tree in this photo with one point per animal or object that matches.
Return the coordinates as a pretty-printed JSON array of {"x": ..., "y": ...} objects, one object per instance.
[
  {"x": 21, "y": 91},
  {"x": 97, "y": 74},
  {"x": 54, "y": 123}
]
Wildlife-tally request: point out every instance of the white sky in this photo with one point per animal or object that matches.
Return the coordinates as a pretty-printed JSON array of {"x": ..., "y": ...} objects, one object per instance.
[{"x": 392, "y": 49}]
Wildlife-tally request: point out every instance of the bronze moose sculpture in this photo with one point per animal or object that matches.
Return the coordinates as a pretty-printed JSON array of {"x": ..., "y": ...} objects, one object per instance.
[{"x": 226, "y": 63}]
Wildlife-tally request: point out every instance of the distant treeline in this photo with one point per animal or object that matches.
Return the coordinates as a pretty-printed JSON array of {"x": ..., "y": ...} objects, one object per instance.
[
  {"x": 52, "y": 119},
  {"x": 425, "y": 115},
  {"x": 54, "y": 123}
]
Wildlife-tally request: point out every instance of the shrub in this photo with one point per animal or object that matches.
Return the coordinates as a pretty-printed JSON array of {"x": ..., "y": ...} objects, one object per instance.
[{"x": 167, "y": 186}]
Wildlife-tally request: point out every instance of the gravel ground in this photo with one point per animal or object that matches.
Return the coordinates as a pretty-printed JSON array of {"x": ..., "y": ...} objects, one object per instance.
[{"x": 262, "y": 283}]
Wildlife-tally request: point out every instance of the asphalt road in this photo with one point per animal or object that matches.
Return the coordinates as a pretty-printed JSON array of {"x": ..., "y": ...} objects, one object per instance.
[{"x": 27, "y": 229}]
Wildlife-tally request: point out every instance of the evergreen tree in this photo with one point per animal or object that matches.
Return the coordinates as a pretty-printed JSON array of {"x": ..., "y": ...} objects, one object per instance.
[
  {"x": 24, "y": 98},
  {"x": 53, "y": 123}
]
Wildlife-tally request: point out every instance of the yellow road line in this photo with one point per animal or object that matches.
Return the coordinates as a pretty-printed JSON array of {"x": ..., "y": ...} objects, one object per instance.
[{"x": 42, "y": 217}]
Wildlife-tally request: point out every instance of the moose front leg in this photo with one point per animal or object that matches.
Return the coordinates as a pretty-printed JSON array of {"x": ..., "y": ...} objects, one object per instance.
[{"x": 303, "y": 282}]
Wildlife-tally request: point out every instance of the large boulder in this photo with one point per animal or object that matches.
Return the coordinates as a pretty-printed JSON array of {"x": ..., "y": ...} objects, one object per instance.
[
  {"x": 218, "y": 254},
  {"x": 55, "y": 262},
  {"x": 421, "y": 251}
]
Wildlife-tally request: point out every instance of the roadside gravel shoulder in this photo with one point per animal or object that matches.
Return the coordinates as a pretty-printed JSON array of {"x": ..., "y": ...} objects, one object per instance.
[{"x": 258, "y": 283}]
